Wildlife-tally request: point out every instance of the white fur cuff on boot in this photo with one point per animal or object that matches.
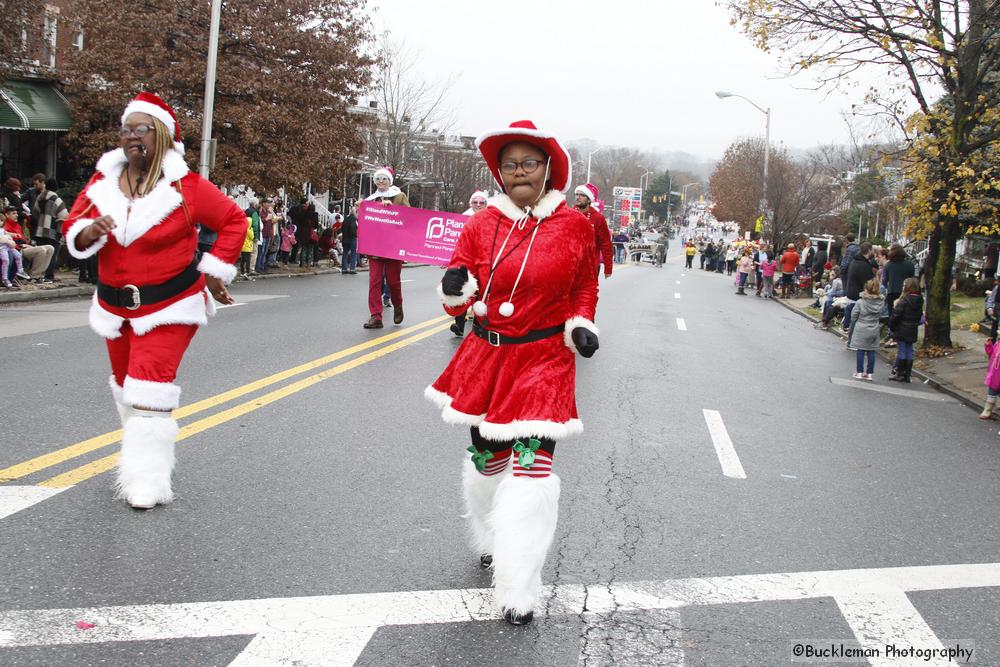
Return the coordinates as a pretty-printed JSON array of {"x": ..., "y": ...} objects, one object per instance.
[
  {"x": 524, "y": 520},
  {"x": 147, "y": 460},
  {"x": 479, "y": 491}
]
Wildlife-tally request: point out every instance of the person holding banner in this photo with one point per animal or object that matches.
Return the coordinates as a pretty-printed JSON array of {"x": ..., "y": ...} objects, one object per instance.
[
  {"x": 477, "y": 202},
  {"x": 381, "y": 267},
  {"x": 586, "y": 203},
  {"x": 530, "y": 259}
]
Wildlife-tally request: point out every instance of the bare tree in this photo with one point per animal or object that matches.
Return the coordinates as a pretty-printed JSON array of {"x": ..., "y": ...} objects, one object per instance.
[{"x": 412, "y": 110}]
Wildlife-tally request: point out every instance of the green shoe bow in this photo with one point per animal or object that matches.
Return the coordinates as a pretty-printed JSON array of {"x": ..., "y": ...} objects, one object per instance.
[
  {"x": 526, "y": 452},
  {"x": 479, "y": 458}
]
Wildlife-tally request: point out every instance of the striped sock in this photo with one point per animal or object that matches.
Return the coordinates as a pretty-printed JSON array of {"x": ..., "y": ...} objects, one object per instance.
[
  {"x": 542, "y": 466},
  {"x": 497, "y": 464}
]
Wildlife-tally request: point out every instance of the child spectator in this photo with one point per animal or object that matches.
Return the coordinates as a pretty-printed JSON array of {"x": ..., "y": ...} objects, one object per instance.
[
  {"x": 865, "y": 328},
  {"x": 904, "y": 321},
  {"x": 248, "y": 245},
  {"x": 992, "y": 378},
  {"x": 767, "y": 270},
  {"x": 287, "y": 241},
  {"x": 9, "y": 253},
  {"x": 746, "y": 266}
]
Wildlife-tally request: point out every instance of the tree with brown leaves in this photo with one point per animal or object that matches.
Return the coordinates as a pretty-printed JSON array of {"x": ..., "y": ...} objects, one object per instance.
[{"x": 287, "y": 74}]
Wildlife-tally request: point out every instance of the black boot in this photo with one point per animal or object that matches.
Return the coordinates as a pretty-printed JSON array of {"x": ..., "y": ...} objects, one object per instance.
[{"x": 907, "y": 367}]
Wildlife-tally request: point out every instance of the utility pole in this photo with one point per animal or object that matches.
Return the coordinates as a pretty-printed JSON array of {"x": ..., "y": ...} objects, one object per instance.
[{"x": 205, "y": 158}]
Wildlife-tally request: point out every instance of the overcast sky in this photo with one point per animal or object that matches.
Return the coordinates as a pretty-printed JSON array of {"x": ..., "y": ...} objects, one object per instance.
[{"x": 622, "y": 72}]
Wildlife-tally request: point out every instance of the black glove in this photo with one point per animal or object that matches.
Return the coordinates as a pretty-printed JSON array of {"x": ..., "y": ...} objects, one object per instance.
[
  {"x": 585, "y": 341},
  {"x": 454, "y": 280}
]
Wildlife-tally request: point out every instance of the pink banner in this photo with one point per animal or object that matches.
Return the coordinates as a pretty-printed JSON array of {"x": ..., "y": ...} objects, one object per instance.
[{"x": 410, "y": 234}]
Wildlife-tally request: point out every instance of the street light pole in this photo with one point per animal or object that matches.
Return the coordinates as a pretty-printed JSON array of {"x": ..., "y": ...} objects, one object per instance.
[
  {"x": 206, "y": 119},
  {"x": 641, "y": 191},
  {"x": 590, "y": 155},
  {"x": 767, "y": 142}
]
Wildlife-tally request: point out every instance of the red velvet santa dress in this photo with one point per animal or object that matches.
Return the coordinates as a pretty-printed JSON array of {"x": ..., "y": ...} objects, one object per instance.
[
  {"x": 524, "y": 390},
  {"x": 151, "y": 251}
]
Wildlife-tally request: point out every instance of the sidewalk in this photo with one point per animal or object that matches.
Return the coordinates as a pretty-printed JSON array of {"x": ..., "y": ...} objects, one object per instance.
[
  {"x": 959, "y": 373},
  {"x": 67, "y": 287}
]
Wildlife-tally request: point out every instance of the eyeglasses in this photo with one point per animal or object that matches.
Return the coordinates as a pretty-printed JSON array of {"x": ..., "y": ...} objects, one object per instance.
[
  {"x": 139, "y": 131},
  {"x": 528, "y": 166}
]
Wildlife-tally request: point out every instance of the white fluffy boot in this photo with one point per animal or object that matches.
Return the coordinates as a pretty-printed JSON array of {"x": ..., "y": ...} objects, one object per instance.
[
  {"x": 479, "y": 491},
  {"x": 524, "y": 518},
  {"x": 147, "y": 459}
]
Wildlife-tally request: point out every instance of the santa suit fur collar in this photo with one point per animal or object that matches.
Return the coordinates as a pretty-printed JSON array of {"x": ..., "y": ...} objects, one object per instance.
[
  {"x": 145, "y": 212},
  {"x": 384, "y": 194},
  {"x": 545, "y": 207}
]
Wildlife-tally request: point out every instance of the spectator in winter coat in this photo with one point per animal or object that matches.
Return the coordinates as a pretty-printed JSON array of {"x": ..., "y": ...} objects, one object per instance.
[
  {"x": 349, "y": 237},
  {"x": 865, "y": 329},
  {"x": 36, "y": 259},
  {"x": 850, "y": 252},
  {"x": 48, "y": 212},
  {"x": 904, "y": 323},
  {"x": 895, "y": 272},
  {"x": 818, "y": 262},
  {"x": 788, "y": 262},
  {"x": 287, "y": 243},
  {"x": 859, "y": 272},
  {"x": 768, "y": 267}
]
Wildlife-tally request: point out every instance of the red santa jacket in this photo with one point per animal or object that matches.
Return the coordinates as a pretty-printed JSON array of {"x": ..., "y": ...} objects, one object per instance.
[
  {"x": 558, "y": 285},
  {"x": 602, "y": 236},
  {"x": 155, "y": 239}
]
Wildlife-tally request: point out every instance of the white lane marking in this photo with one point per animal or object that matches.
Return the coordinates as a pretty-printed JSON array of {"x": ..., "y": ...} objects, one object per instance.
[
  {"x": 299, "y": 623},
  {"x": 730, "y": 460},
  {"x": 244, "y": 299},
  {"x": 610, "y": 640},
  {"x": 678, "y": 282},
  {"x": 681, "y": 324},
  {"x": 13, "y": 499},
  {"x": 336, "y": 648},
  {"x": 677, "y": 295},
  {"x": 881, "y": 618},
  {"x": 410, "y": 280},
  {"x": 895, "y": 391}
]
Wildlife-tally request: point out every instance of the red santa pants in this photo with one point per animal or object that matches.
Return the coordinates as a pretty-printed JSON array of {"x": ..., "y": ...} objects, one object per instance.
[
  {"x": 390, "y": 268},
  {"x": 145, "y": 366}
]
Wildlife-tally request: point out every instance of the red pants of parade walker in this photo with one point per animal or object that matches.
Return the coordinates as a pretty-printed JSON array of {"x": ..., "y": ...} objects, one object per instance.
[
  {"x": 142, "y": 382},
  {"x": 391, "y": 269}
]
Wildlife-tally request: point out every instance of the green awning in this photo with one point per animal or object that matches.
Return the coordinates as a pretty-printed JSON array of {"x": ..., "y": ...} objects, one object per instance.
[{"x": 33, "y": 105}]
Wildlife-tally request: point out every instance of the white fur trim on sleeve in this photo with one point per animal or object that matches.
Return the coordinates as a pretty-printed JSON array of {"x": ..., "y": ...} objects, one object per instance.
[
  {"x": 573, "y": 323},
  {"x": 153, "y": 395},
  {"x": 469, "y": 289},
  {"x": 74, "y": 231},
  {"x": 214, "y": 266}
]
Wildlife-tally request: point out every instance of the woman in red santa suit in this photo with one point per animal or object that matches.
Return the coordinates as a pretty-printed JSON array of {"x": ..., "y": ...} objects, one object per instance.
[
  {"x": 530, "y": 258},
  {"x": 138, "y": 215}
]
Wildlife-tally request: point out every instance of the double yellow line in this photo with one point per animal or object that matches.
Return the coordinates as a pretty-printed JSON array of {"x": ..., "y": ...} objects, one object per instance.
[{"x": 419, "y": 332}]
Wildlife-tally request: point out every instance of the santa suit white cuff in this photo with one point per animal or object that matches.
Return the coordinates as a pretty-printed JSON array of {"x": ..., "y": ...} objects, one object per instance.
[
  {"x": 152, "y": 395},
  {"x": 213, "y": 266},
  {"x": 469, "y": 290},
  {"x": 573, "y": 323},
  {"x": 74, "y": 231}
]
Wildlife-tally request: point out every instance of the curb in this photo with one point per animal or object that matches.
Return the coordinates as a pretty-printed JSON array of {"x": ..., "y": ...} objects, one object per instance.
[
  {"x": 77, "y": 291},
  {"x": 47, "y": 294},
  {"x": 928, "y": 378}
]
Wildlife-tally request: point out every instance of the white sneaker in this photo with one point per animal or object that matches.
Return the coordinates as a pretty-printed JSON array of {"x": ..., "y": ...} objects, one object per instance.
[
  {"x": 869, "y": 378},
  {"x": 859, "y": 376}
]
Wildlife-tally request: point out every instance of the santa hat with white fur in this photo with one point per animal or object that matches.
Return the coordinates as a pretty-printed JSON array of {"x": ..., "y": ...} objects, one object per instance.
[
  {"x": 385, "y": 171},
  {"x": 478, "y": 193},
  {"x": 151, "y": 104},
  {"x": 588, "y": 190}
]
